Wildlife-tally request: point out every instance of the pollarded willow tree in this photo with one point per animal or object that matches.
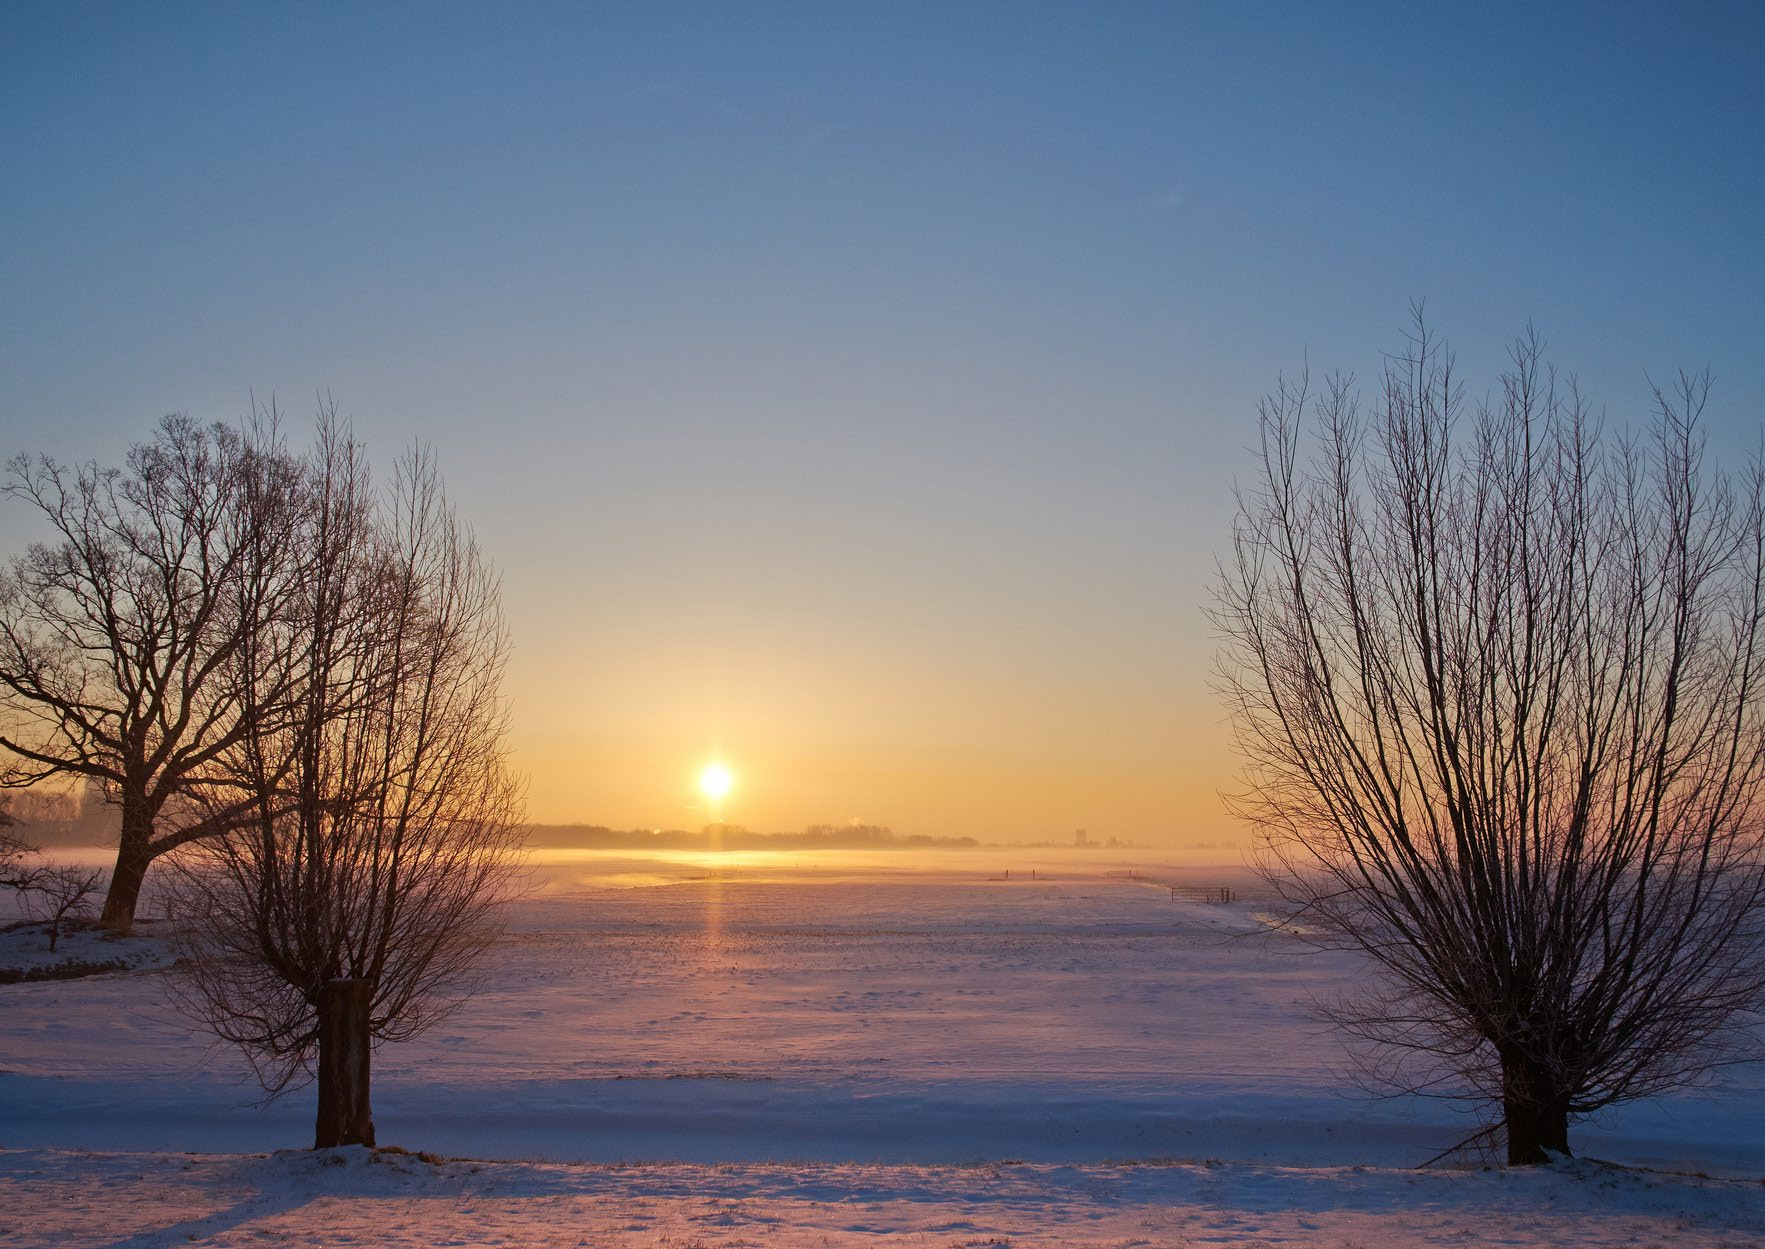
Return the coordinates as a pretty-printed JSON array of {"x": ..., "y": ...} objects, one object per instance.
[
  {"x": 1497, "y": 679},
  {"x": 384, "y": 826}
]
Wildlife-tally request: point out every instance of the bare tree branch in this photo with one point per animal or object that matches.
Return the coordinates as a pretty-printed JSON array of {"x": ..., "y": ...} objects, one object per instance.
[
  {"x": 382, "y": 824},
  {"x": 115, "y": 637},
  {"x": 1497, "y": 683}
]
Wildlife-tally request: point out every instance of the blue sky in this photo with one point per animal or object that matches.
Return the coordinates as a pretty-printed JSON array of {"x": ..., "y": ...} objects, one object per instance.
[{"x": 857, "y": 390}]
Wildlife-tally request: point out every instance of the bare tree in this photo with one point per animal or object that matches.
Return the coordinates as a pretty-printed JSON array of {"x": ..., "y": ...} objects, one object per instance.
[
  {"x": 384, "y": 827},
  {"x": 62, "y": 892},
  {"x": 112, "y": 637},
  {"x": 1496, "y": 677},
  {"x": 58, "y": 891}
]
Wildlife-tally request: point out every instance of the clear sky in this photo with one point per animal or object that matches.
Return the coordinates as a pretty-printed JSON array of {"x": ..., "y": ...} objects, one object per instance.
[{"x": 855, "y": 392}]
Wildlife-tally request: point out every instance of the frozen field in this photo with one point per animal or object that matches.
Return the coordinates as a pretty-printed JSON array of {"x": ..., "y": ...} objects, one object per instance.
[{"x": 823, "y": 1053}]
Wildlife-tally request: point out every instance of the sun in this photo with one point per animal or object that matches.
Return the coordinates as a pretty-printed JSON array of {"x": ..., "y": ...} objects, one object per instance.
[{"x": 716, "y": 781}]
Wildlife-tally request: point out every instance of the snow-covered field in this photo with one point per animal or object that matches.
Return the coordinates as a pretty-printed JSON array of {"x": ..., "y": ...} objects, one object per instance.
[{"x": 758, "y": 1051}]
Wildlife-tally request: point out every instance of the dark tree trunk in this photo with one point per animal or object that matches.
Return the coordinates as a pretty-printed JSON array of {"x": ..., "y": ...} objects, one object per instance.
[
  {"x": 1536, "y": 1113},
  {"x": 132, "y": 858},
  {"x": 345, "y": 1116}
]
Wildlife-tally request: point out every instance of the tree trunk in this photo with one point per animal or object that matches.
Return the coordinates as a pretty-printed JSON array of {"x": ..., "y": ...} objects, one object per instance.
[
  {"x": 1536, "y": 1112},
  {"x": 345, "y": 1116},
  {"x": 132, "y": 858}
]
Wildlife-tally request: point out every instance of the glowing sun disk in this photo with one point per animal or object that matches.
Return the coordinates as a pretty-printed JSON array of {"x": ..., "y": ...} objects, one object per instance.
[{"x": 716, "y": 781}]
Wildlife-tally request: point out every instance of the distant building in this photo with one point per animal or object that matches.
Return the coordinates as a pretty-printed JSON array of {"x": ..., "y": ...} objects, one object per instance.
[{"x": 1079, "y": 838}]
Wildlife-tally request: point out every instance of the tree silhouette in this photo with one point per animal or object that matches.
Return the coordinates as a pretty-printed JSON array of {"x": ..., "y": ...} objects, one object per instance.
[
  {"x": 115, "y": 636},
  {"x": 383, "y": 824},
  {"x": 1497, "y": 680}
]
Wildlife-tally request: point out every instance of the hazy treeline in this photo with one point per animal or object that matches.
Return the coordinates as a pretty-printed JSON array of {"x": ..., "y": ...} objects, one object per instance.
[
  {"x": 45, "y": 818},
  {"x": 733, "y": 837}
]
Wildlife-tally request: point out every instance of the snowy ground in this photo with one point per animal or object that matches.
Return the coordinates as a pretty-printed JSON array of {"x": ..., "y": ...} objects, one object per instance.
[
  {"x": 776, "y": 1053},
  {"x": 82, "y": 948},
  {"x": 350, "y": 1197}
]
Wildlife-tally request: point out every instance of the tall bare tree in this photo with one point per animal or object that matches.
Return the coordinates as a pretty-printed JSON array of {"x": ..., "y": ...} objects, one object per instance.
[
  {"x": 1497, "y": 679},
  {"x": 384, "y": 825},
  {"x": 114, "y": 635}
]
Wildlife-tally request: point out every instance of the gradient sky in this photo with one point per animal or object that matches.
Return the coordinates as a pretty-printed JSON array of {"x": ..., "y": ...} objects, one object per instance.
[{"x": 855, "y": 392}]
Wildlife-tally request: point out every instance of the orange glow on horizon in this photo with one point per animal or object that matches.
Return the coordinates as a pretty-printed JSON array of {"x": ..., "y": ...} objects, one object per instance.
[{"x": 620, "y": 735}]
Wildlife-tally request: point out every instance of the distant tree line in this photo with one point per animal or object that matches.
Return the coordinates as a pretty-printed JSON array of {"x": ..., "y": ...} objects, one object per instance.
[
  {"x": 78, "y": 816},
  {"x": 733, "y": 837}
]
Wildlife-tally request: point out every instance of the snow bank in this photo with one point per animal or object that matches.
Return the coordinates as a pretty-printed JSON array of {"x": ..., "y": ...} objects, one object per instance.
[{"x": 353, "y": 1197}]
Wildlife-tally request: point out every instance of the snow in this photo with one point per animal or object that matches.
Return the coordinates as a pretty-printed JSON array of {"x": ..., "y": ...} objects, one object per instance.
[
  {"x": 353, "y": 1197},
  {"x": 747, "y": 1049},
  {"x": 81, "y": 947}
]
